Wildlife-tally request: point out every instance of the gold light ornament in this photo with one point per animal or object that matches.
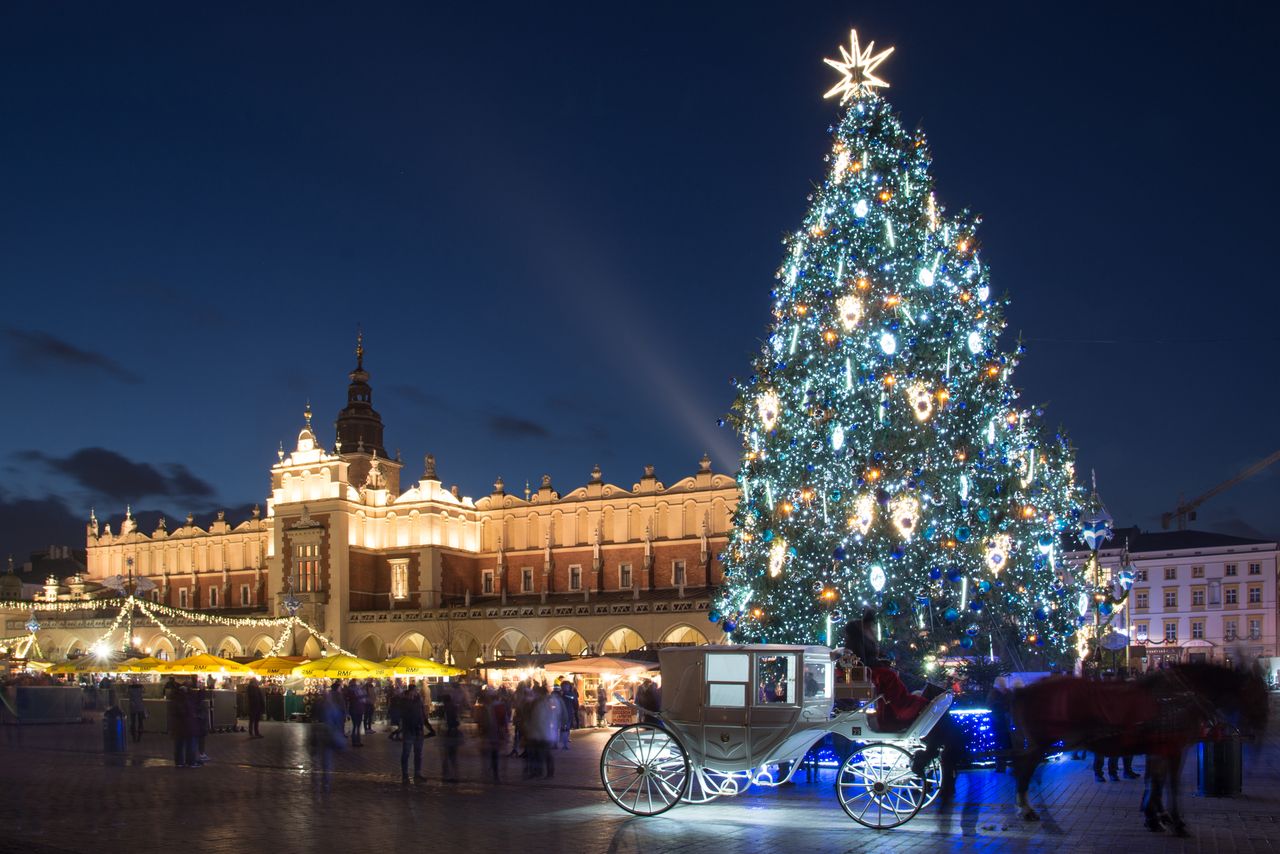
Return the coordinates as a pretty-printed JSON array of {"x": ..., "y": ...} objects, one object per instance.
[
  {"x": 998, "y": 552},
  {"x": 849, "y": 308},
  {"x": 921, "y": 401},
  {"x": 777, "y": 557},
  {"x": 864, "y": 513},
  {"x": 905, "y": 511},
  {"x": 768, "y": 406}
]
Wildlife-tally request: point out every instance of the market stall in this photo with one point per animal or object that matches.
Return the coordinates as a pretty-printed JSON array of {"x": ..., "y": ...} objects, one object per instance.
[{"x": 609, "y": 675}]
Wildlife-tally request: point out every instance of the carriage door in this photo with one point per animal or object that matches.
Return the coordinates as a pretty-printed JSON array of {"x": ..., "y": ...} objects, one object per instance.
[
  {"x": 774, "y": 701},
  {"x": 724, "y": 713}
]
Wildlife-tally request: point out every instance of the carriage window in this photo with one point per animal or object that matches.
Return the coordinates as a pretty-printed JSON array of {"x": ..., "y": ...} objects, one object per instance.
[
  {"x": 775, "y": 679},
  {"x": 727, "y": 677},
  {"x": 815, "y": 679}
]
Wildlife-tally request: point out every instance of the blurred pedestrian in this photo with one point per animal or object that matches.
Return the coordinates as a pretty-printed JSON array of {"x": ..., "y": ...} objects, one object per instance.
[
  {"x": 175, "y": 697},
  {"x": 201, "y": 707},
  {"x": 257, "y": 704},
  {"x": 370, "y": 703},
  {"x": 569, "y": 691},
  {"x": 328, "y": 725},
  {"x": 566, "y": 717},
  {"x": 137, "y": 711},
  {"x": 354, "y": 695},
  {"x": 395, "y": 701},
  {"x": 602, "y": 705},
  {"x": 413, "y": 717},
  {"x": 452, "y": 739},
  {"x": 496, "y": 719}
]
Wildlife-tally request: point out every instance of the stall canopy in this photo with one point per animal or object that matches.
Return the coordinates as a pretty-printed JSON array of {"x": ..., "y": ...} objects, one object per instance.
[
  {"x": 141, "y": 665},
  {"x": 342, "y": 667},
  {"x": 411, "y": 665},
  {"x": 205, "y": 663},
  {"x": 276, "y": 665},
  {"x": 87, "y": 664},
  {"x": 601, "y": 664}
]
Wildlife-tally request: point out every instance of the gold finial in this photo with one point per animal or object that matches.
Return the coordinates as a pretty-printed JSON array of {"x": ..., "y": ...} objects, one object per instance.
[
  {"x": 306, "y": 415},
  {"x": 359, "y": 348}
]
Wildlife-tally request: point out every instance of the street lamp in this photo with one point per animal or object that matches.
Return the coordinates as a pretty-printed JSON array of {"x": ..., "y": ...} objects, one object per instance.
[{"x": 1095, "y": 530}]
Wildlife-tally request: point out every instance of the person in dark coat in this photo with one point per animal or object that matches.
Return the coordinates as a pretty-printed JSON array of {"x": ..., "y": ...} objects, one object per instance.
[
  {"x": 898, "y": 708},
  {"x": 452, "y": 739},
  {"x": 257, "y": 703},
  {"x": 137, "y": 711},
  {"x": 413, "y": 720},
  {"x": 200, "y": 711},
  {"x": 176, "y": 718},
  {"x": 355, "y": 698}
]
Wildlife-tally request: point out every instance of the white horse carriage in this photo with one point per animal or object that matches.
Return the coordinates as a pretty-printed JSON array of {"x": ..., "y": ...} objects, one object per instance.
[{"x": 735, "y": 716}]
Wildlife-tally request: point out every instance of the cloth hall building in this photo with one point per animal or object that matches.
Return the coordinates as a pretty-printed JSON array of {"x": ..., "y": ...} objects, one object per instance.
[{"x": 383, "y": 564}]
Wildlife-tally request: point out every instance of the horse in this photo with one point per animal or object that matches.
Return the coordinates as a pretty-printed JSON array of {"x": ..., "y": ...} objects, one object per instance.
[{"x": 1159, "y": 715}]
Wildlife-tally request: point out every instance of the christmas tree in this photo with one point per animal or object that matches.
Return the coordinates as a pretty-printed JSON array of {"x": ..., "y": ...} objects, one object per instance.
[{"x": 887, "y": 463}]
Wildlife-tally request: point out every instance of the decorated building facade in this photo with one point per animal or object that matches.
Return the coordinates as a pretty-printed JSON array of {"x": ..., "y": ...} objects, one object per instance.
[{"x": 382, "y": 564}]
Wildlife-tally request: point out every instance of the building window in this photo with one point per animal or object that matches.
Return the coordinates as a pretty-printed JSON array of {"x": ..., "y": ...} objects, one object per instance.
[
  {"x": 677, "y": 573},
  {"x": 1197, "y": 572},
  {"x": 213, "y": 597},
  {"x": 1255, "y": 569},
  {"x": 1255, "y": 628},
  {"x": 306, "y": 568},
  {"x": 575, "y": 577},
  {"x": 1139, "y": 575},
  {"x": 1170, "y": 573},
  {"x": 1215, "y": 592},
  {"x": 400, "y": 578},
  {"x": 1140, "y": 631},
  {"x": 526, "y": 580},
  {"x": 1197, "y": 629},
  {"x": 246, "y": 597},
  {"x": 1171, "y": 598},
  {"x": 1171, "y": 631},
  {"x": 1197, "y": 597},
  {"x": 1230, "y": 628},
  {"x": 1140, "y": 599},
  {"x": 1233, "y": 596},
  {"x": 1255, "y": 595},
  {"x": 1230, "y": 569},
  {"x": 624, "y": 577},
  {"x": 184, "y": 598},
  {"x": 486, "y": 581}
]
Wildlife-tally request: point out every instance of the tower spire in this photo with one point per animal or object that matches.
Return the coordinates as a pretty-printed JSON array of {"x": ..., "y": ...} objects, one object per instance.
[{"x": 359, "y": 348}]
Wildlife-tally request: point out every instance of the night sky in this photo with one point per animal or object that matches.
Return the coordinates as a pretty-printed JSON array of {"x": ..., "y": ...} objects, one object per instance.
[{"x": 558, "y": 225}]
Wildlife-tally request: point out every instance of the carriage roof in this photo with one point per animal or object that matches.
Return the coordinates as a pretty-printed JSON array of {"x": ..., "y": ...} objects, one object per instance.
[{"x": 685, "y": 677}]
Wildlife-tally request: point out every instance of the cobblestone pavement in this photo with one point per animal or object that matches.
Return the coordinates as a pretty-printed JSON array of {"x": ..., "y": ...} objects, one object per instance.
[{"x": 61, "y": 794}]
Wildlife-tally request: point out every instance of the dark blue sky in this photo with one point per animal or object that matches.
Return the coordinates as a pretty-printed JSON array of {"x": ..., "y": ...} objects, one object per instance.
[{"x": 558, "y": 225}]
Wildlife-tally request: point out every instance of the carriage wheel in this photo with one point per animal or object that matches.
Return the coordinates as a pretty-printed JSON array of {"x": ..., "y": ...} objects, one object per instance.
[
  {"x": 932, "y": 782},
  {"x": 877, "y": 787},
  {"x": 644, "y": 769}
]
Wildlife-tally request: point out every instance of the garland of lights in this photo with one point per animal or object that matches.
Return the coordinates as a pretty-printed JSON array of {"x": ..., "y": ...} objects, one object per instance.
[
  {"x": 886, "y": 461},
  {"x": 278, "y": 646},
  {"x": 216, "y": 620},
  {"x": 184, "y": 644},
  {"x": 115, "y": 624}
]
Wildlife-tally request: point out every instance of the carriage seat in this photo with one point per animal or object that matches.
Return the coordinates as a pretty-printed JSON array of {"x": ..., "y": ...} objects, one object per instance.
[{"x": 921, "y": 726}]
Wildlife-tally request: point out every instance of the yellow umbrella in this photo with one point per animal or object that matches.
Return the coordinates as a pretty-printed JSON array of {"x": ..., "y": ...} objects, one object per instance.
[
  {"x": 276, "y": 665},
  {"x": 411, "y": 665},
  {"x": 342, "y": 667},
  {"x": 204, "y": 663},
  {"x": 86, "y": 664},
  {"x": 141, "y": 665}
]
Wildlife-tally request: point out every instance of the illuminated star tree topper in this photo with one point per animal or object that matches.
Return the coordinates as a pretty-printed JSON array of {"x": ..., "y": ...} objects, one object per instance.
[{"x": 857, "y": 69}]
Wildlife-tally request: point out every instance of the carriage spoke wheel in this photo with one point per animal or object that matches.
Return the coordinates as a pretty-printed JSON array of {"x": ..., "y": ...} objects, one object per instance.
[
  {"x": 644, "y": 769},
  {"x": 932, "y": 782},
  {"x": 877, "y": 787}
]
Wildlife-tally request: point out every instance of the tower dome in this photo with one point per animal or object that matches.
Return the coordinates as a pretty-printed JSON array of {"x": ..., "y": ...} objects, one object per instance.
[{"x": 359, "y": 426}]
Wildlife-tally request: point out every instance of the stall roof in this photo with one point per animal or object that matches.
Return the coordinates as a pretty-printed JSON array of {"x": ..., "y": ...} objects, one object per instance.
[{"x": 526, "y": 662}]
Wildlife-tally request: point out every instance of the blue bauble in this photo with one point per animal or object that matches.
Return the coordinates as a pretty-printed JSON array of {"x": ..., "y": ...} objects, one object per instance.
[
  {"x": 966, "y": 642},
  {"x": 962, "y": 533},
  {"x": 951, "y": 615},
  {"x": 1039, "y": 640},
  {"x": 896, "y": 554},
  {"x": 1037, "y": 562},
  {"x": 1045, "y": 541},
  {"x": 767, "y": 535},
  {"x": 1105, "y": 608},
  {"x": 1040, "y": 614},
  {"x": 975, "y": 605},
  {"x": 984, "y": 586},
  {"x": 972, "y": 630},
  {"x": 730, "y": 625},
  {"x": 835, "y": 495},
  {"x": 984, "y": 514},
  {"x": 791, "y": 550},
  {"x": 954, "y": 575},
  {"x": 930, "y": 532},
  {"x": 935, "y": 573},
  {"x": 838, "y": 554},
  {"x": 714, "y": 616}
]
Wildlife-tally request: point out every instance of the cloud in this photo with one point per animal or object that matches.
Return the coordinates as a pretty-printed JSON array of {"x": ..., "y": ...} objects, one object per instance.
[
  {"x": 417, "y": 396},
  {"x": 29, "y": 524},
  {"x": 42, "y": 351},
  {"x": 112, "y": 475},
  {"x": 515, "y": 427}
]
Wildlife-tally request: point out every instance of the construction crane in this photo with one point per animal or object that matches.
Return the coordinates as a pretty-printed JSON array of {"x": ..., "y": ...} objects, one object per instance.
[{"x": 1186, "y": 510}]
